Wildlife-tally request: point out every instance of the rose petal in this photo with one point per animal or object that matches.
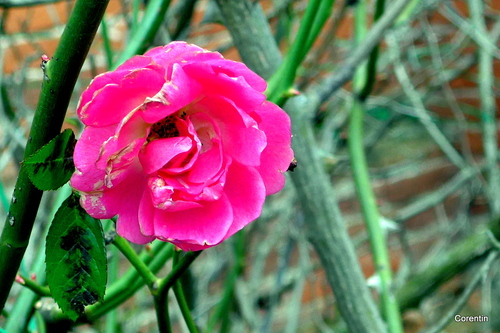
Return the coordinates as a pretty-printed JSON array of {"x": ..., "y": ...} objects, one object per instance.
[
  {"x": 185, "y": 246},
  {"x": 119, "y": 199},
  {"x": 246, "y": 192},
  {"x": 128, "y": 228},
  {"x": 207, "y": 165},
  {"x": 116, "y": 76},
  {"x": 140, "y": 61},
  {"x": 277, "y": 155},
  {"x": 110, "y": 104},
  {"x": 119, "y": 151},
  {"x": 99, "y": 82},
  {"x": 205, "y": 226},
  {"x": 175, "y": 94},
  {"x": 146, "y": 214},
  {"x": 180, "y": 52},
  {"x": 183, "y": 161},
  {"x": 159, "y": 152},
  {"x": 210, "y": 159},
  {"x": 160, "y": 195},
  {"x": 241, "y": 141},
  {"x": 236, "y": 69},
  {"x": 235, "y": 89},
  {"x": 128, "y": 225},
  {"x": 88, "y": 177}
]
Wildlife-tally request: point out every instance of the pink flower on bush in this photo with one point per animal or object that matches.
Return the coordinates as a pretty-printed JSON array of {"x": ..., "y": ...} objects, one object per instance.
[{"x": 181, "y": 144}]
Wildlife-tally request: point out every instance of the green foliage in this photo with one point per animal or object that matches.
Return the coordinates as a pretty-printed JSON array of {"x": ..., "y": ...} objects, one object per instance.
[
  {"x": 379, "y": 113},
  {"x": 51, "y": 166},
  {"x": 76, "y": 258}
]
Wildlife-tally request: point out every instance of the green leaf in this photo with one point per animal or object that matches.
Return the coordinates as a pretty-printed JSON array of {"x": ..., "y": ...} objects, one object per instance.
[
  {"x": 52, "y": 165},
  {"x": 76, "y": 258}
]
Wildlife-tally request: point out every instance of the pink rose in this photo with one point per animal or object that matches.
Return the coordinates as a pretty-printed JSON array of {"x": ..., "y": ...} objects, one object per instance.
[{"x": 181, "y": 144}]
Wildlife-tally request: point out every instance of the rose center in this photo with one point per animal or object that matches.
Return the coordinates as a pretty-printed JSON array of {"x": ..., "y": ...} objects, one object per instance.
[{"x": 165, "y": 128}]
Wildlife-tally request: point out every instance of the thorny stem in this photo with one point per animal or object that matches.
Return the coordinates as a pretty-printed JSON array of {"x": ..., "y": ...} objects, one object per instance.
[
  {"x": 63, "y": 71},
  {"x": 33, "y": 286},
  {"x": 26, "y": 299}
]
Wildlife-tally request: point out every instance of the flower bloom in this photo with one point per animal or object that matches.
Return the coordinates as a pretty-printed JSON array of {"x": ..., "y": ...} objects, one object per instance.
[{"x": 181, "y": 144}]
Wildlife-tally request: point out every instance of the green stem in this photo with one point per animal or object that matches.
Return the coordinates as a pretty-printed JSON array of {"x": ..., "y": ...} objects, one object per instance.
[
  {"x": 176, "y": 272},
  {"x": 162, "y": 315},
  {"x": 3, "y": 198},
  {"x": 161, "y": 294},
  {"x": 135, "y": 15},
  {"x": 128, "y": 285},
  {"x": 365, "y": 78},
  {"x": 223, "y": 311},
  {"x": 33, "y": 286},
  {"x": 246, "y": 19},
  {"x": 25, "y": 3},
  {"x": 325, "y": 227},
  {"x": 108, "y": 50},
  {"x": 457, "y": 259},
  {"x": 181, "y": 300},
  {"x": 26, "y": 299},
  {"x": 185, "y": 15},
  {"x": 6, "y": 103},
  {"x": 41, "y": 326},
  {"x": 63, "y": 72},
  {"x": 371, "y": 68},
  {"x": 372, "y": 219},
  {"x": 317, "y": 12},
  {"x": 113, "y": 267},
  {"x": 324, "y": 12},
  {"x": 298, "y": 51},
  {"x": 129, "y": 253},
  {"x": 459, "y": 303},
  {"x": 186, "y": 313},
  {"x": 488, "y": 109},
  {"x": 142, "y": 38},
  {"x": 347, "y": 69}
]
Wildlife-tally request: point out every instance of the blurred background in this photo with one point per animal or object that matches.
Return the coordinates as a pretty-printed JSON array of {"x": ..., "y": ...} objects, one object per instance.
[{"x": 436, "y": 203}]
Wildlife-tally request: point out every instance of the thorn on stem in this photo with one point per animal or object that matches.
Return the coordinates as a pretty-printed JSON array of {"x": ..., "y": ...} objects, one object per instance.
[{"x": 43, "y": 66}]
